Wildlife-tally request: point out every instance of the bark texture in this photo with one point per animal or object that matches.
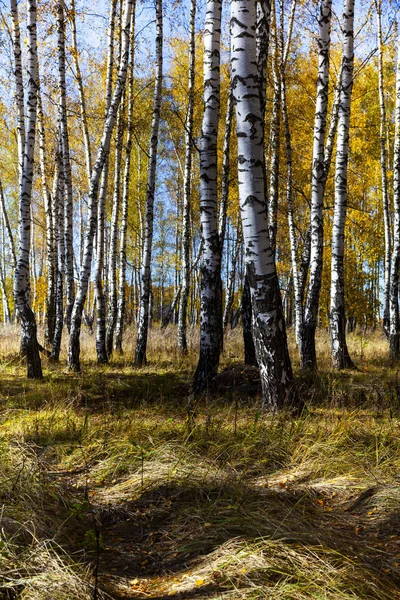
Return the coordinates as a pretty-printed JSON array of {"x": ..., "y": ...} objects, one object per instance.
[
  {"x": 269, "y": 330},
  {"x": 211, "y": 288},
  {"x": 337, "y": 319}
]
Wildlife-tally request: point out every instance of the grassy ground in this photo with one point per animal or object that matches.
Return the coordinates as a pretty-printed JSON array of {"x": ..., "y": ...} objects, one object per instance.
[{"x": 107, "y": 491}]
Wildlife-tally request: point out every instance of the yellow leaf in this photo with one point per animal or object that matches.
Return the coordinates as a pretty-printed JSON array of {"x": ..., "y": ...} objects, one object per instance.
[{"x": 199, "y": 581}]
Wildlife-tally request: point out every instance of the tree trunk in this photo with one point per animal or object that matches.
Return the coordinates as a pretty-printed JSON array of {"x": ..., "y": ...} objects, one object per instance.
[
  {"x": 337, "y": 320},
  {"x": 59, "y": 225},
  {"x": 82, "y": 102},
  {"x": 68, "y": 229},
  {"x": 308, "y": 355},
  {"x": 114, "y": 234},
  {"x": 394, "y": 332},
  {"x": 141, "y": 343},
  {"x": 125, "y": 197},
  {"x": 182, "y": 319},
  {"x": 76, "y": 321},
  {"x": 21, "y": 275},
  {"x": 383, "y": 161},
  {"x": 269, "y": 332},
  {"x": 210, "y": 291},
  {"x": 102, "y": 356}
]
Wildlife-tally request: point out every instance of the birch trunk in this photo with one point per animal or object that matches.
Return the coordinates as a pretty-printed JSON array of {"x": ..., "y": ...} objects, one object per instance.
[
  {"x": 82, "y": 101},
  {"x": 394, "y": 332},
  {"x": 274, "y": 144},
  {"x": 141, "y": 343},
  {"x": 102, "y": 357},
  {"x": 210, "y": 291},
  {"x": 114, "y": 234},
  {"x": 337, "y": 320},
  {"x": 183, "y": 303},
  {"x": 7, "y": 226},
  {"x": 22, "y": 270},
  {"x": 76, "y": 321},
  {"x": 59, "y": 234},
  {"x": 318, "y": 179},
  {"x": 269, "y": 331},
  {"x": 19, "y": 87},
  {"x": 68, "y": 230},
  {"x": 50, "y": 241},
  {"x": 125, "y": 197},
  {"x": 298, "y": 300},
  {"x": 383, "y": 161}
]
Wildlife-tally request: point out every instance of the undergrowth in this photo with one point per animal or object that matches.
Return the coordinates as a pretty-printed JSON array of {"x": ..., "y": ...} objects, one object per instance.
[{"x": 109, "y": 490}]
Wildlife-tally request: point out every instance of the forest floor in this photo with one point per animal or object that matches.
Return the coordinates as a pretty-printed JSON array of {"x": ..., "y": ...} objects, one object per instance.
[{"x": 107, "y": 490}]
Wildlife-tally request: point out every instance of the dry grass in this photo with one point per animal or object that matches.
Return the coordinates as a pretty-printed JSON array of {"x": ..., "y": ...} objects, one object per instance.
[{"x": 103, "y": 468}]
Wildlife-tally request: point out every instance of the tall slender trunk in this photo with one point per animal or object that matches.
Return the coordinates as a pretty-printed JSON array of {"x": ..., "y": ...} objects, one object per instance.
[
  {"x": 274, "y": 141},
  {"x": 119, "y": 327},
  {"x": 76, "y": 321},
  {"x": 141, "y": 342},
  {"x": 82, "y": 101},
  {"x": 318, "y": 178},
  {"x": 269, "y": 330},
  {"x": 59, "y": 234},
  {"x": 298, "y": 300},
  {"x": 383, "y": 161},
  {"x": 230, "y": 290},
  {"x": 7, "y": 225},
  {"x": 22, "y": 270},
  {"x": 19, "y": 87},
  {"x": 102, "y": 357},
  {"x": 68, "y": 230},
  {"x": 114, "y": 234},
  {"x": 50, "y": 241},
  {"x": 394, "y": 332},
  {"x": 182, "y": 318},
  {"x": 337, "y": 320},
  {"x": 210, "y": 292}
]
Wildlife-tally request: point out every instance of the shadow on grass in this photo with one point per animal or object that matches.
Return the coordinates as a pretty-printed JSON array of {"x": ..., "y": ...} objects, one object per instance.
[{"x": 175, "y": 528}]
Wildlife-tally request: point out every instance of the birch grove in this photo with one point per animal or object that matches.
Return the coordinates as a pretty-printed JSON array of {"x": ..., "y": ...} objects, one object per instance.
[{"x": 160, "y": 181}]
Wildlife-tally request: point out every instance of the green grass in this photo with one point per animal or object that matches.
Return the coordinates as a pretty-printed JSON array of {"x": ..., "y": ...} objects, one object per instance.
[{"x": 103, "y": 471}]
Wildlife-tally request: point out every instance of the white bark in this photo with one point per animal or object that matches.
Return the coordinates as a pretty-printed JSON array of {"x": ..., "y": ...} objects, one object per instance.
[
  {"x": 145, "y": 276},
  {"x": 100, "y": 248},
  {"x": 268, "y": 323},
  {"x": 125, "y": 196},
  {"x": 337, "y": 321},
  {"x": 211, "y": 289},
  {"x": 76, "y": 320},
  {"x": 22, "y": 270},
  {"x": 68, "y": 230},
  {"x": 318, "y": 178},
  {"x": 394, "y": 332},
  {"x": 82, "y": 101},
  {"x": 19, "y": 86},
  {"x": 383, "y": 161},
  {"x": 183, "y": 303}
]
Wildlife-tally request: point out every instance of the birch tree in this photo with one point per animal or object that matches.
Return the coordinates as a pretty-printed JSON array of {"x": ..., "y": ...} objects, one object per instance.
[
  {"x": 394, "y": 331},
  {"x": 76, "y": 320},
  {"x": 337, "y": 320},
  {"x": 269, "y": 330},
  {"x": 68, "y": 230},
  {"x": 141, "y": 342},
  {"x": 22, "y": 269},
  {"x": 183, "y": 303},
  {"x": 210, "y": 291},
  {"x": 318, "y": 179},
  {"x": 102, "y": 356},
  {"x": 125, "y": 196},
  {"x": 383, "y": 161}
]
